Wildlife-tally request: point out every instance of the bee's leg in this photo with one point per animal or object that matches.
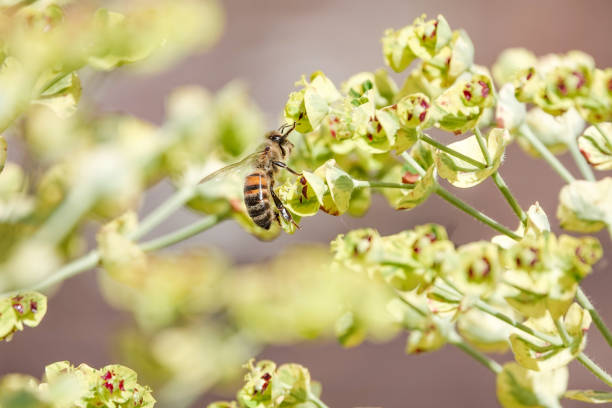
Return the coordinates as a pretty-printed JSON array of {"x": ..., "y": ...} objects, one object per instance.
[
  {"x": 284, "y": 166},
  {"x": 282, "y": 210},
  {"x": 285, "y": 126}
]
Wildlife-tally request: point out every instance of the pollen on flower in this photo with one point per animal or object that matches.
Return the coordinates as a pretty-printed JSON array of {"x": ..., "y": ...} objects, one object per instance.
[{"x": 18, "y": 307}]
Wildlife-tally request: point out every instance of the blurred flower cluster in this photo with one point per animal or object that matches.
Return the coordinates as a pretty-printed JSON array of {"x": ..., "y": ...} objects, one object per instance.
[{"x": 198, "y": 318}]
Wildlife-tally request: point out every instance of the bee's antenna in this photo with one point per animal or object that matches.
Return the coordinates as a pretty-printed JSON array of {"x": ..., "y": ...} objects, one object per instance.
[{"x": 291, "y": 128}]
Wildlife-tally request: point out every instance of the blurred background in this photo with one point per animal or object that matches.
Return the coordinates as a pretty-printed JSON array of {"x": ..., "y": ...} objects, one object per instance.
[{"x": 268, "y": 45}]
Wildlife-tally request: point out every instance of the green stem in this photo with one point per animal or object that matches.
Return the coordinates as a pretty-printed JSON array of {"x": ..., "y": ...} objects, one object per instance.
[
  {"x": 452, "y": 152},
  {"x": 595, "y": 369},
  {"x": 488, "y": 362},
  {"x": 546, "y": 154},
  {"x": 485, "y": 219},
  {"x": 501, "y": 185},
  {"x": 563, "y": 331},
  {"x": 92, "y": 258},
  {"x": 582, "y": 164},
  {"x": 168, "y": 207},
  {"x": 84, "y": 263},
  {"x": 482, "y": 145},
  {"x": 479, "y": 304},
  {"x": 584, "y": 301},
  {"x": 381, "y": 184},
  {"x": 182, "y": 234},
  {"x": 417, "y": 167},
  {"x": 317, "y": 401}
]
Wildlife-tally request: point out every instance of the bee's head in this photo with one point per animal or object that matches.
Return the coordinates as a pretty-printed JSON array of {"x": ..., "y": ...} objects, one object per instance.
[{"x": 280, "y": 138}]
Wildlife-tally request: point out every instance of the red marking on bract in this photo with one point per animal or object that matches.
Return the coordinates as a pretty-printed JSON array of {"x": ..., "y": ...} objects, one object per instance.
[
  {"x": 586, "y": 155},
  {"x": 305, "y": 192},
  {"x": 107, "y": 376},
  {"x": 581, "y": 79},
  {"x": 424, "y": 104},
  {"x": 301, "y": 115},
  {"x": 562, "y": 87},
  {"x": 333, "y": 133},
  {"x": 485, "y": 88},
  {"x": 18, "y": 307},
  {"x": 336, "y": 119},
  {"x": 488, "y": 269},
  {"x": 471, "y": 273},
  {"x": 266, "y": 377},
  {"x": 610, "y": 85},
  {"x": 370, "y": 137},
  {"x": 264, "y": 387},
  {"x": 536, "y": 252},
  {"x": 530, "y": 73},
  {"x": 467, "y": 94},
  {"x": 379, "y": 128},
  {"x": 303, "y": 180},
  {"x": 409, "y": 117},
  {"x": 410, "y": 178},
  {"x": 33, "y": 306},
  {"x": 435, "y": 30},
  {"x": 109, "y": 386},
  {"x": 17, "y": 298},
  {"x": 394, "y": 106},
  {"x": 121, "y": 385},
  {"x": 448, "y": 61},
  {"x": 422, "y": 116},
  {"x": 431, "y": 236}
]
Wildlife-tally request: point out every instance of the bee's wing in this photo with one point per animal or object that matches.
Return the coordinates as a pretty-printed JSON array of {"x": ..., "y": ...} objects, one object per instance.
[{"x": 234, "y": 170}]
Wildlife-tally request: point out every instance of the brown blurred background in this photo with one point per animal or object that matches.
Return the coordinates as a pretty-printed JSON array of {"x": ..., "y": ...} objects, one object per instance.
[{"x": 269, "y": 44}]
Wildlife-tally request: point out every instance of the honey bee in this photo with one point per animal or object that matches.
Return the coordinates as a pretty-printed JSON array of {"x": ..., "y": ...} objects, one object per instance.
[{"x": 259, "y": 183}]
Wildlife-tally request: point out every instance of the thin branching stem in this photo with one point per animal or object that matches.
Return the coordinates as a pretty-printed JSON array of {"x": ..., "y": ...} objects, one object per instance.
[
  {"x": 488, "y": 362},
  {"x": 595, "y": 369},
  {"x": 546, "y": 154},
  {"x": 584, "y": 301},
  {"x": 582, "y": 164},
  {"x": 452, "y": 152}
]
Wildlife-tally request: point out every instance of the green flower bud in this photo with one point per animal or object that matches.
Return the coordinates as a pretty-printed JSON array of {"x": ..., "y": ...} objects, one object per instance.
[
  {"x": 518, "y": 387},
  {"x": 460, "y": 107},
  {"x": 478, "y": 91},
  {"x": 309, "y": 107},
  {"x": 413, "y": 110},
  {"x": 27, "y": 309},
  {"x": 510, "y": 63},
  {"x": 354, "y": 246},
  {"x": 586, "y": 206},
  {"x": 120, "y": 256},
  {"x": 596, "y": 146},
  {"x": 430, "y": 339},
  {"x": 423, "y": 39},
  {"x": 597, "y": 105},
  {"x": 379, "y": 135},
  {"x": 476, "y": 268}
]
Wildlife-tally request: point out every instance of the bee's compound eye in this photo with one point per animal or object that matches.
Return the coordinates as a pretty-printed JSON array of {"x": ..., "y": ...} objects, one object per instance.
[{"x": 275, "y": 138}]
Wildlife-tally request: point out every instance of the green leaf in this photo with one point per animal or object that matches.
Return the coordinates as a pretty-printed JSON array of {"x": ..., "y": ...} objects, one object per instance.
[
  {"x": 61, "y": 95},
  {"x": 340, "y": 185},
  {"x": 462, "y": 174},
  {"x": 594, "y": 397},
  {"x": 518, "y": 387},
  {"x": 316, "y": 107},
  {"x": 586, "y": 206},
  {"x": 596, "y": 147},
  {"x": 462, "y": 56}
]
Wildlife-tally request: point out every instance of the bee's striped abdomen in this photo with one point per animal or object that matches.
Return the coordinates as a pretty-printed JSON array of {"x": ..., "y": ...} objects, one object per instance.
[{"x": 256, "y": 199}]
